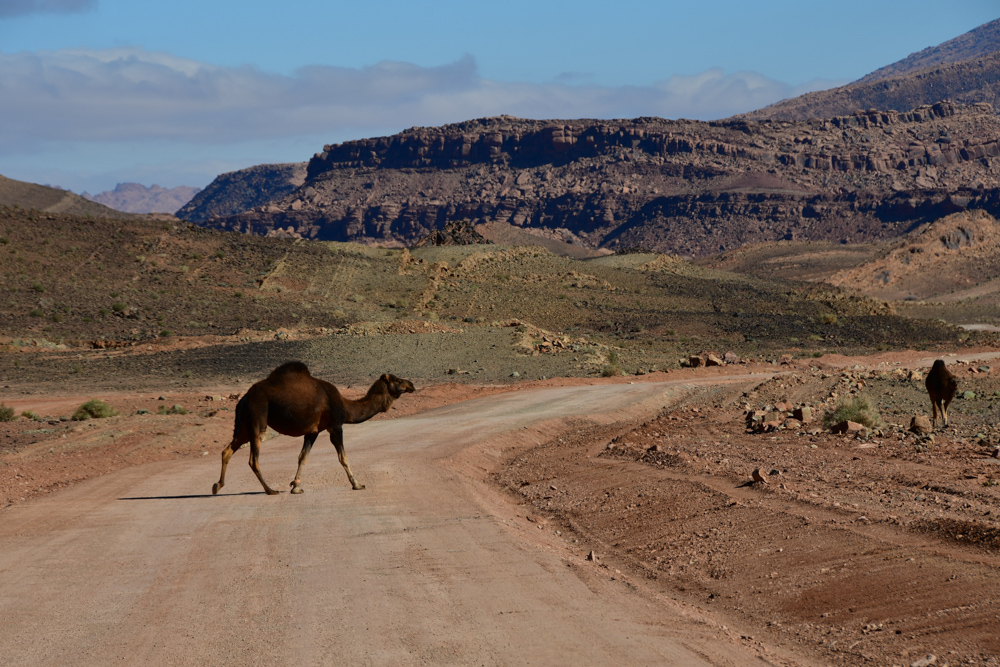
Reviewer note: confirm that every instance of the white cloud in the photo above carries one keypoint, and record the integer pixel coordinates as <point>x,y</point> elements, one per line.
<point>77,117</point>
<point>9,8</point>
<point>131,94</point>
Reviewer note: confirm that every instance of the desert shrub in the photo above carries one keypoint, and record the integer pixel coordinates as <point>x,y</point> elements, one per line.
<point>93,409</point>
<point>857,409</point>
<point>35,312</point>
<point>220,254</point>
<point>176,409</point>
<point>613,357</point>
<point>28,414</point>
<point>4,240</point>
<point>37,287</point>
<point>611,370</point>
<point>118,306</point>
<point>165,333</point>
<point>6,413</point>
<point>828,318</point>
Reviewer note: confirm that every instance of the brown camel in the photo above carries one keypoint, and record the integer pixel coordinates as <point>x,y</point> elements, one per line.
<point>293,402</point>
<point>941,386</point>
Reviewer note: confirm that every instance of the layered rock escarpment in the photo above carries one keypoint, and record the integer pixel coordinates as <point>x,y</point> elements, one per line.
<point>684,187</point>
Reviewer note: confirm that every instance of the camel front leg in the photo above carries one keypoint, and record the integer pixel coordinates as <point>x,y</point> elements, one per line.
<point>337,438</point>
<point>303,456</point>
<point>254,455</point>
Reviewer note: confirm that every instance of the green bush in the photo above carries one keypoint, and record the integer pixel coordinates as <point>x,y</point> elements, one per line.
<point>93,409</point>
<point>828,318</point>
<point>611,370</point>
<point>176,409</point>
<point>857,409</point>
<point>6,413</point>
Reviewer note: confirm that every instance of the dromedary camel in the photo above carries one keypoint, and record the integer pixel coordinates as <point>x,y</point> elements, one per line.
<point>941,386</point>
<point>293,402</point>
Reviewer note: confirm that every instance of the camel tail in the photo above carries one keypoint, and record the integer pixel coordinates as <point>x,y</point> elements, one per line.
<point>241,407</point>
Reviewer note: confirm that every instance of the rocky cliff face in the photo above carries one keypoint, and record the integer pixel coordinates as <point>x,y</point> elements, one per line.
<point>682,186</point>
<point>136,198</point>
<point>241,190</point>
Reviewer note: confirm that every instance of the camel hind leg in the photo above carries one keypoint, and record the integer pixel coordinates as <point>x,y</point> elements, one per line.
<point>254,465</point>
<point>337,438</point>
<point>934,412</point>
<point>944,409</point>
<point>303,456</point>
<point>227,454</point>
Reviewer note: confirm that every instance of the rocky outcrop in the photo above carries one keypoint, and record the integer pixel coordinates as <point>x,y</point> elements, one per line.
<point>137,198</point>
<point>242,190</point>
<point>459,232</point>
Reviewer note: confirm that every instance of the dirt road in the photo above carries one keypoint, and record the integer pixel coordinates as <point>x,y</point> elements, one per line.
<point>426,566</point>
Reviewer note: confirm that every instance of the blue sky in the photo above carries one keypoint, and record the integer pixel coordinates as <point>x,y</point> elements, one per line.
<point>96,92</point>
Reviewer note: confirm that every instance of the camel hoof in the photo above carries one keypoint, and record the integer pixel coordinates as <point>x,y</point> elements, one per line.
<point>271,492</point>
<point>359,487</point>
<point>215,488</point>
<point>296,489</point>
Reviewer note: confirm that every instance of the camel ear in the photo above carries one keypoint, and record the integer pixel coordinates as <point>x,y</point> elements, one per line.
<point>385,377</point>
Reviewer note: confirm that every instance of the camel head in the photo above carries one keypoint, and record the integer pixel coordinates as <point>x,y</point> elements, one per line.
<point>397,386</point>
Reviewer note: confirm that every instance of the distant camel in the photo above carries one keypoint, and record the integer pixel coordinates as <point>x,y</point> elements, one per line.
<point>293,402</point>
<point>941,387</point>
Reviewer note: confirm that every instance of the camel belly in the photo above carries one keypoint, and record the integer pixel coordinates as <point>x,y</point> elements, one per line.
<point>287,420</point>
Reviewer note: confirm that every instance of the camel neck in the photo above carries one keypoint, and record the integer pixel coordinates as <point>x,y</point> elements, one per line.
<point>375,401</point>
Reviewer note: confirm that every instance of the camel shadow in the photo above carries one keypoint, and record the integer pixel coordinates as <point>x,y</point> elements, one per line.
<point>199,495</point>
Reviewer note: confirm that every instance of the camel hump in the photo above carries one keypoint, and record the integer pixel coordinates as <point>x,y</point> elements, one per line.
<point>289,368</point>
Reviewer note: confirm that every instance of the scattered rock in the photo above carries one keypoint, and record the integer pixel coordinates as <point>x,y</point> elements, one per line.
<point>803,414</point>
<point>758,476</point>
<point>925,661</point>
<point>592,556</point>
<point>847,426</point>
<point>515,374</point>
<point>713,360</point>
<point>731,358</point>
<point>694,361</point>
<point>968,395</point>
<point>921,425</point>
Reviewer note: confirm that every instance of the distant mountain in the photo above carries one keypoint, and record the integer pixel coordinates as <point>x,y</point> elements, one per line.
<point>50,200</point>
<point>977,43</point>
<point>136,198</point>
<point>964,70</point>
<point>242,190</point>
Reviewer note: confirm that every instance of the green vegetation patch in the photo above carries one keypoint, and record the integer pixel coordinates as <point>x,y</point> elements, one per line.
<point>93,409</point>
